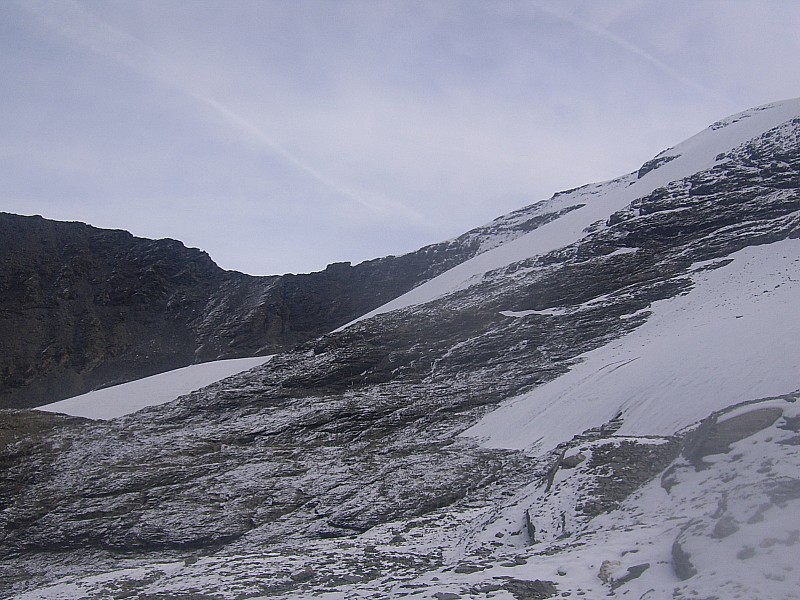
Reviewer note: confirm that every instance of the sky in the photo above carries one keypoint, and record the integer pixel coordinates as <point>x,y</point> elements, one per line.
<point>280,136</point>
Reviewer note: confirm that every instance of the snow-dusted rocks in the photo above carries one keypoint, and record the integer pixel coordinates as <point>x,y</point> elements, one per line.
<point>605,403</point>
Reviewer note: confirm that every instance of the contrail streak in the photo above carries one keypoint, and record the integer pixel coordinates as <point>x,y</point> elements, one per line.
<point>637,51</point>
<point>237,120</point>
<point>71,20</point>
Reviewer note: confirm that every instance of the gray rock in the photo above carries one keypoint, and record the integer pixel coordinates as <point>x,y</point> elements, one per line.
<point>681,562</point>
<point>523,589</point>
<point>572,461</point>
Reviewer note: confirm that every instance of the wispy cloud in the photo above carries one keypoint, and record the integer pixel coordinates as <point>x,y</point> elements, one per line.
<point>381,127</point>
<point>73,21</point>
<point>635,50</point>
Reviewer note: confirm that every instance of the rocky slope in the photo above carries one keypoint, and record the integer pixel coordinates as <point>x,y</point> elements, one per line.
<point>83,308</point>
<point>604,405</point>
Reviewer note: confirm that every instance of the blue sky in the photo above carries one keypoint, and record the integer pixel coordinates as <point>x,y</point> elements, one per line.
<point>280,136</point>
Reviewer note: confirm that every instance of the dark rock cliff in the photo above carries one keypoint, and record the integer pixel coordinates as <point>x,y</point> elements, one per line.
<point>82,307</point>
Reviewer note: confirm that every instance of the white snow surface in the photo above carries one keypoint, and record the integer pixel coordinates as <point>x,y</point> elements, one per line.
<point>601,200</point>
<point>127,398</point>
<point>734,337</point>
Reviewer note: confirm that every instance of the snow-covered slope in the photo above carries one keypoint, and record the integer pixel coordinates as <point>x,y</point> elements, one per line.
<point>127,398</point>
<point>732,337</point>
<point>604,402</point>
<point>721,522</point>
<point>601,200</point>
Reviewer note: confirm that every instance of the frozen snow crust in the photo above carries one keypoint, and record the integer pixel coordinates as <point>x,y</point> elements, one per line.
<point>604,406</point>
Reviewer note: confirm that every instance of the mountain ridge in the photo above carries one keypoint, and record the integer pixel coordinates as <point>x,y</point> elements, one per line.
<point>361,463</point>
<point>98,307</point>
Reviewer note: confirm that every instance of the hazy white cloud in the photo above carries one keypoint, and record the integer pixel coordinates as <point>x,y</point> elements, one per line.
<point>282,136</point>
<point>72,20</point>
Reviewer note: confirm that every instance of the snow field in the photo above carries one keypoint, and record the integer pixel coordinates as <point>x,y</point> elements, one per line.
<point>732,338</point>
<point>127,398</point>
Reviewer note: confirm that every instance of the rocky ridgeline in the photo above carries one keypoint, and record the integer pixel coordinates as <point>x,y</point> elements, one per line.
<point>83,308</point>
<point>337,469</point>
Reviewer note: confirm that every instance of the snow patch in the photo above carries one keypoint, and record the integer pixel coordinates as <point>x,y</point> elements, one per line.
<point>126,398</point>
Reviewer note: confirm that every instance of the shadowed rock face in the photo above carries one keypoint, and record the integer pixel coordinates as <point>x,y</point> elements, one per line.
<point>83,308</point>
<point>339,462</point>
